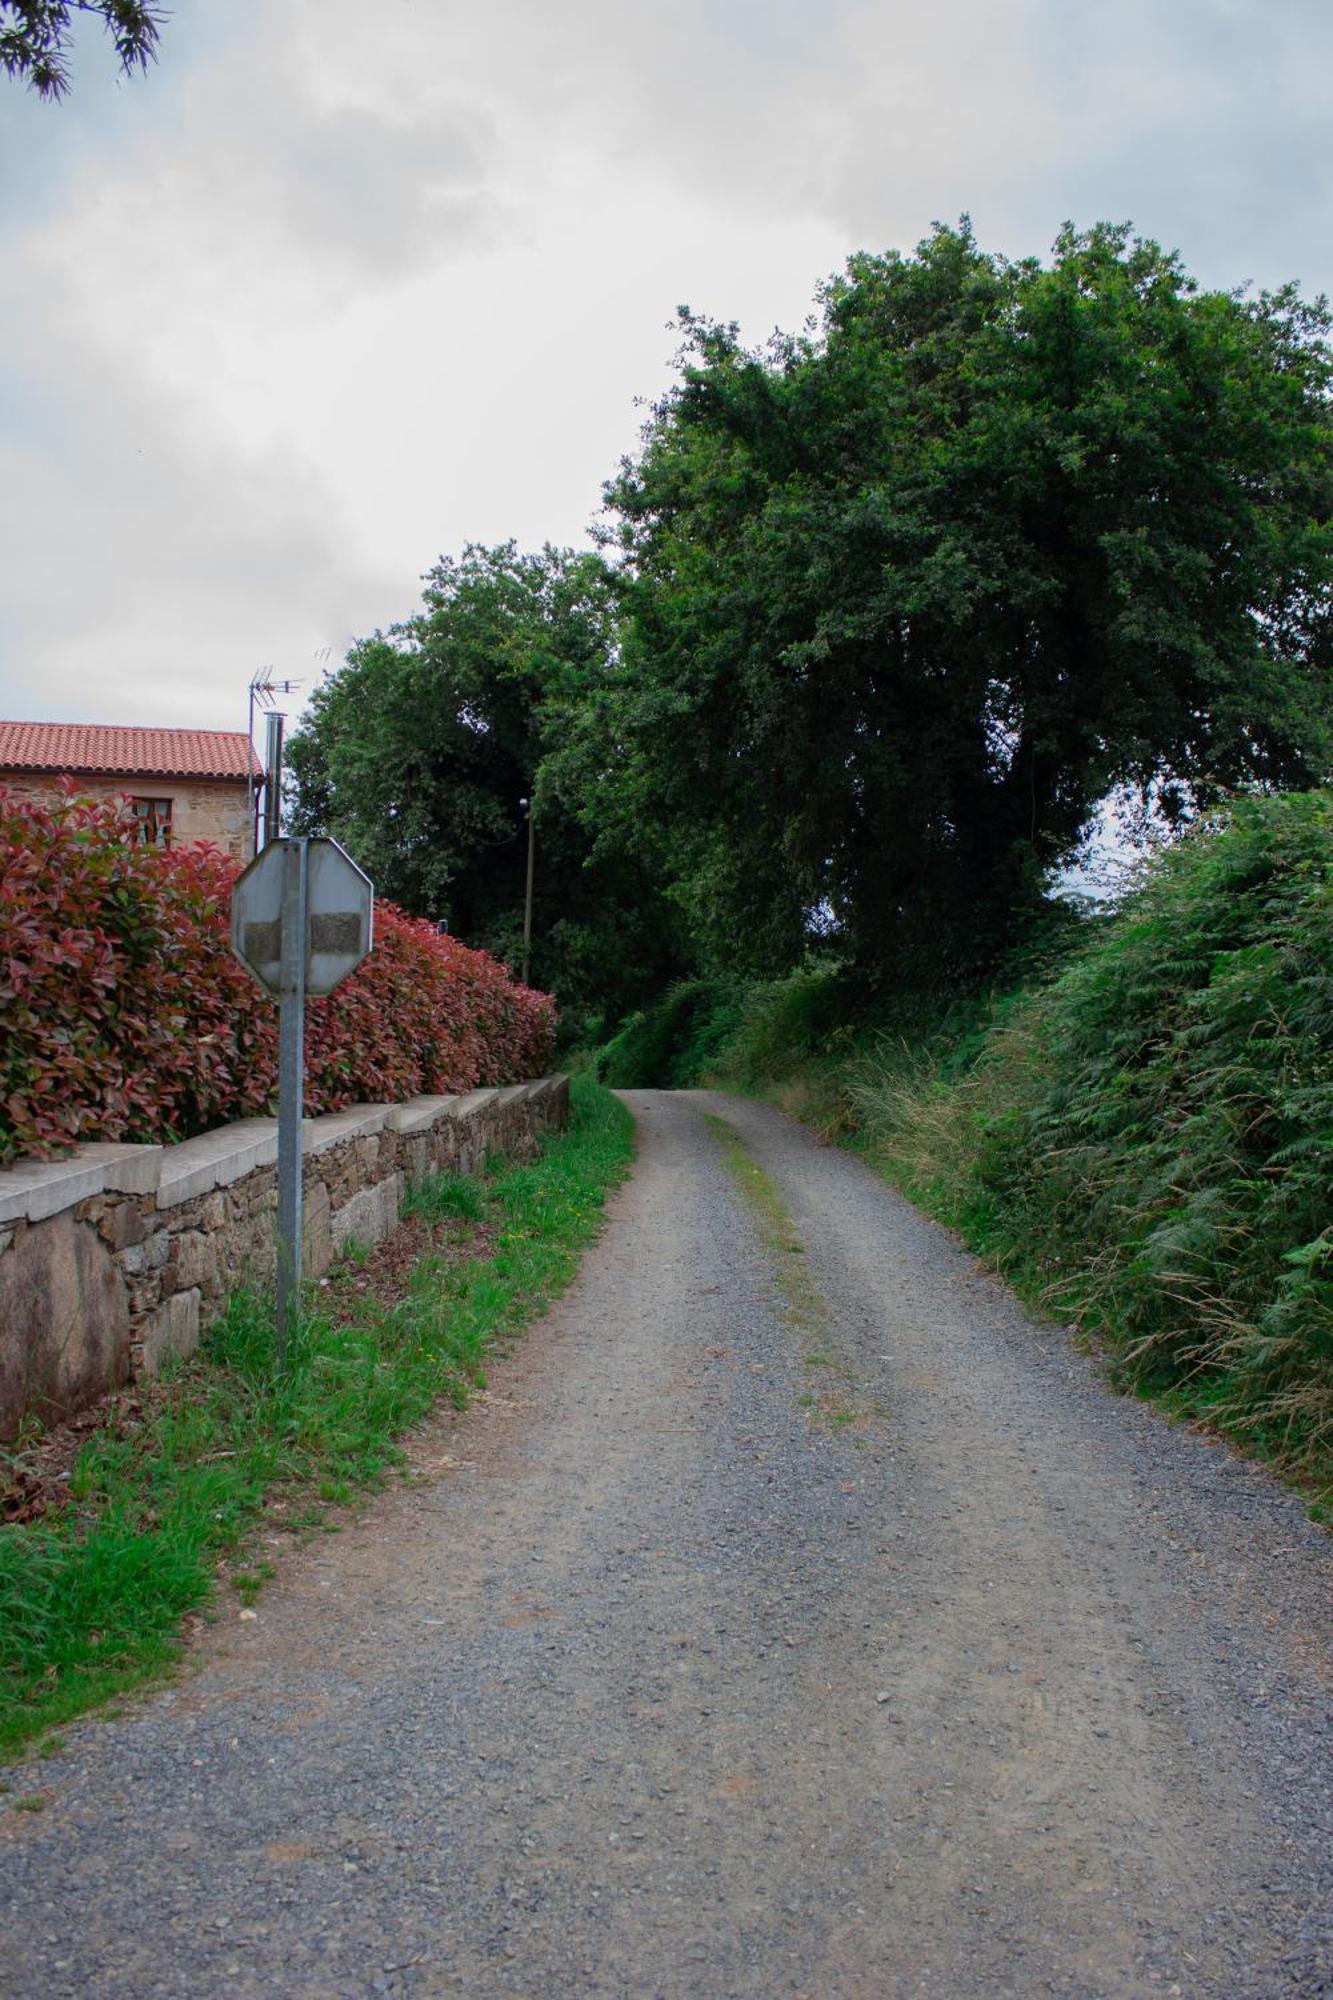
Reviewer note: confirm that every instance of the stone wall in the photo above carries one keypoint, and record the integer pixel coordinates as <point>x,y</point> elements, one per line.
<point>120,1255</point>
<point>202,809</point>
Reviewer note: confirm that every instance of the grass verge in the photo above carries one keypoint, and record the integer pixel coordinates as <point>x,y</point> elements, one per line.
<point>833,1399</point>
<point>92,1595</point>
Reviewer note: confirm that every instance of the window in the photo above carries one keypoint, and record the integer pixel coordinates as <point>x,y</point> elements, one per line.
<point>154,818</point>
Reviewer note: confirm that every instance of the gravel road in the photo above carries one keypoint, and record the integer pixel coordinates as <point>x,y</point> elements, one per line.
<point>792,1616</point>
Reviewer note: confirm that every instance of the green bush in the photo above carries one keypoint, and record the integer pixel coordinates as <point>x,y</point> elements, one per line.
<point>1147,1139</point>
<point>672,1044</point>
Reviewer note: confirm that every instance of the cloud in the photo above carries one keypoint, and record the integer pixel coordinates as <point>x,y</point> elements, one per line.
<point>384,197</point>
<point>150,571</point>
<point>334,289</point>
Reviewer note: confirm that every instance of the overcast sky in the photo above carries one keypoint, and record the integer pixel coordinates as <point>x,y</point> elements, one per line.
<point>303,309</point>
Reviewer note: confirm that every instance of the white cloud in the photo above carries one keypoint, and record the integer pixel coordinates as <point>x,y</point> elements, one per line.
<point>319,299</point>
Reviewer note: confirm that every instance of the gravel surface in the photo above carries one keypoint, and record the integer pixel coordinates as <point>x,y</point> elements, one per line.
<point>791,1617</point>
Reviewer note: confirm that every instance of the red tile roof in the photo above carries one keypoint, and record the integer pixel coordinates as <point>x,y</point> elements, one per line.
<point>139,753</point>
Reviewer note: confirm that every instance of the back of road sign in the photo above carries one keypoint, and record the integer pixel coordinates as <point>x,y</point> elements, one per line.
<point>339,919</point>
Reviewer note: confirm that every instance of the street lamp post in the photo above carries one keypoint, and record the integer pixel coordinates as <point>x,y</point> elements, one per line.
<point>527,900</point>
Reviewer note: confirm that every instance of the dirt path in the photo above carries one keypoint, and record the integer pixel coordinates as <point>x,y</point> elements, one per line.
<point>792,1618</point>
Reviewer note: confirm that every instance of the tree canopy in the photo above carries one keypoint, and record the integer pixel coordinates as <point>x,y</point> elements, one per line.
<point>904,598</point>
<point>35,37</point>
<point>425,750</point>
<point>886,610</point>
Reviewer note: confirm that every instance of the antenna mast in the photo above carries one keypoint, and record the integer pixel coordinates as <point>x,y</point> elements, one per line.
<point>262,690</point>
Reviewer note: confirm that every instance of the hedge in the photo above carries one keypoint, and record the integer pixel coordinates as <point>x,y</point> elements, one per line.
<point>124,1015</point>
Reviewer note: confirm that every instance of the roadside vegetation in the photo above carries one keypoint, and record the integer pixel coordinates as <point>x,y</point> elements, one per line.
<point>124,1013</point>
<point>94,1588</point>
<point>885,613</point>
<point>1138,1132</point>
<point>888,610</point>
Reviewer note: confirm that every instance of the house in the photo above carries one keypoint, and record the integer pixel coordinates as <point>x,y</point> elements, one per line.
<point>186,786</point>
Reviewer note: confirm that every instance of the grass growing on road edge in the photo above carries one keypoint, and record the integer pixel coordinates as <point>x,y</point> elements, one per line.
<point>92,1595</point>
<point>833,1400</point>
<point>776,1226</point>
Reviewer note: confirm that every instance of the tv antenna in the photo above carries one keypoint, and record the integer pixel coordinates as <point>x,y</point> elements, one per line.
<point>263,696</point>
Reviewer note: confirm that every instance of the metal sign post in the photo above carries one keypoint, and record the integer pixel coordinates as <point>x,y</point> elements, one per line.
<point>291,1081</point>
<point>302,917</point>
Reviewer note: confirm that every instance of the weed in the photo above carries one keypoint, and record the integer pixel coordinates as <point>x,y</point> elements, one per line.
<point>442,1196</point>
<point>763,1198</point>
<point>807,1309</point>
<point>248,1583</point>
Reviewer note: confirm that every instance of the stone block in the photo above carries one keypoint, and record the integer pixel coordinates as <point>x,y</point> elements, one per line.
<point>194,1261</point>
<point>473,1104</point>
<point>316,1230</point>
<point>216,1159</point>
<point>122,1223</point>
<point>356,1122</point>
<point>144,1294</point>
<point>31,1190</point>
<point>370,1214</point>
<point>172,1329</point>
<point>64,1322</point>
<point>149,1254</point>
<point>212,1212</point>
<point>126,1169</point>
<point>419,1114</point>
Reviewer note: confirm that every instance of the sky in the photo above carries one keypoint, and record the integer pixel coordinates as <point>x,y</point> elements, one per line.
<point>334,290</point>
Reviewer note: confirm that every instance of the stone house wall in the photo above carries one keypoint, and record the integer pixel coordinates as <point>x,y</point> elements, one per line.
<point>202,809</point>
<point>120,1255</point>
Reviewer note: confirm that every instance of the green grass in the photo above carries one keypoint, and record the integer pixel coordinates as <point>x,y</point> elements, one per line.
<point>806,1307</point>
<point>446,1196</point>
<point>807,1311</point>
<point>1145,1143</point>
<point>92,1597</point>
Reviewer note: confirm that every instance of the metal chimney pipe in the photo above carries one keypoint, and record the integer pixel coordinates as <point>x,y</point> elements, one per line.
<point>273,777</point>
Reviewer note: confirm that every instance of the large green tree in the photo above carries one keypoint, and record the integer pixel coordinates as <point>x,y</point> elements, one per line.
<point>35,37</point>
<point>907,596</point>
<point>427,748</point>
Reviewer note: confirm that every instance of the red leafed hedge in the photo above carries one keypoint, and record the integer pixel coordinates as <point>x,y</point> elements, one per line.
<point>124,1015</point>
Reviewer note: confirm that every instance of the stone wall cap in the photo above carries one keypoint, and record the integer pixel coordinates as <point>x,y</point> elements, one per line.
<point>418,1114</point>
<point>473,1102</point>
<point>126,1169</point>
<point>31,1190</point>
<point>334,1128</point>
<point>216,1159</point>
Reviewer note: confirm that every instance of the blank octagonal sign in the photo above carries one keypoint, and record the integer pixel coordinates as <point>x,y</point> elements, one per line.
<point>339,915</point>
